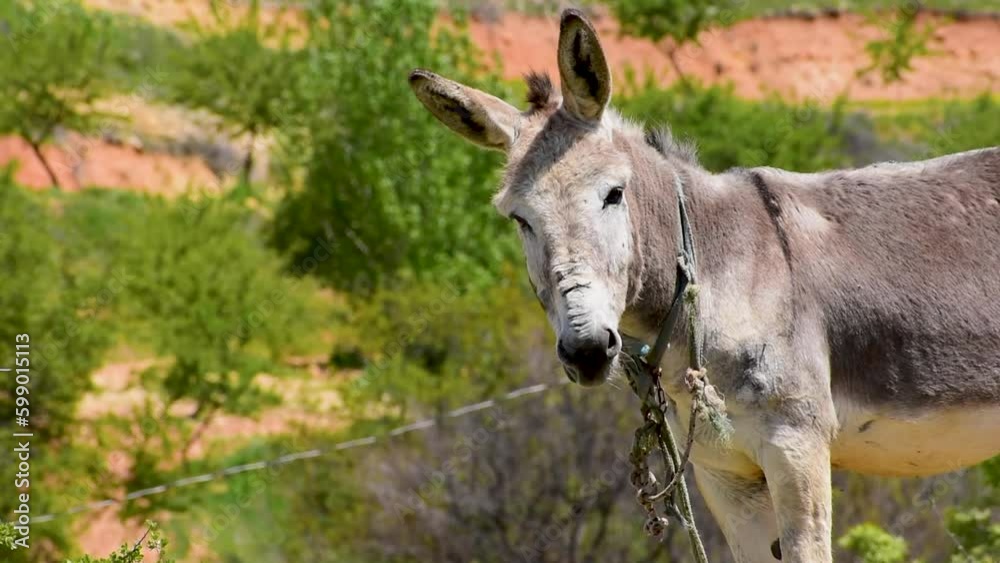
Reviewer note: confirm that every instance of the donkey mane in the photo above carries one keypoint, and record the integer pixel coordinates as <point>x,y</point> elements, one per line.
<point>541,94</point>
<point>662,139</point>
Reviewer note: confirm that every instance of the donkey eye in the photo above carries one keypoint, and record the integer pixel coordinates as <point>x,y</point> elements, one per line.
<point>521,222</point>
<point>614,197</point>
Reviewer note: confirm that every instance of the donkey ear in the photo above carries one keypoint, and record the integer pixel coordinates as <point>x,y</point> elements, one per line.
<point>479,117</point>
<point>583,70</point>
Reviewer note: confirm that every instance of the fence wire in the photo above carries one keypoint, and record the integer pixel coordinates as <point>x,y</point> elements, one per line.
<point>227,472</point>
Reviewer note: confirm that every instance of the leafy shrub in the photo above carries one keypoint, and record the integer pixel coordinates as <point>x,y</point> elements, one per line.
<point>732,132</point>
<point>943,127</point>
<point>59,59</point>
<point>977,533</point>
<point>873,545</point>
<point>431,344</point>
<point>44,296</point>
<point>233,72</point>
<point>680,20</point>
<point>64,311</point>
<point>893,56</point>
<point>201,288</point>
<point>152,540</point>
<point>386,188</point>
<point>963,126</point>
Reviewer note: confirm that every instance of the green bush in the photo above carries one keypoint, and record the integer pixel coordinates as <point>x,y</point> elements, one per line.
<point>233,72</point>
<point>732,132</point>
<point>64,310</point>
<point>45,296</point>
<point>962,125</point>
<point>193,284</point>
<point>430,344</point>
<point>386,188</point>
<point>871,544</point>
<point>938,127</point>
<point>200,288</point>
<point>680,20</point>
<point>977,532</point>
<point>58,59</point>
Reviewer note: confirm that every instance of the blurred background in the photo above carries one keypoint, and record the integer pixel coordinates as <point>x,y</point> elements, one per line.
<point>235,236</point>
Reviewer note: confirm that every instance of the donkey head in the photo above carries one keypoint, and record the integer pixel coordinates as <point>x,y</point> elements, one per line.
<point>566,187</point>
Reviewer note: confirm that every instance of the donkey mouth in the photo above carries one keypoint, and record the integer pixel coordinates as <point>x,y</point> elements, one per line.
<point>588,360</point>
<point>588,377</point>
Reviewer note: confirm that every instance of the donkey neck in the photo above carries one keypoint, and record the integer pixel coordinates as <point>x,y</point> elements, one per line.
<point>714,213</point>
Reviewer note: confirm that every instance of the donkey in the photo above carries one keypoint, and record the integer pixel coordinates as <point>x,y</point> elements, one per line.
<point>851,319</point>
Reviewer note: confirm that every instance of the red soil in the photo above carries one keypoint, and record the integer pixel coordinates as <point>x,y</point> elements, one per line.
<point>82,161</point>
<point>796,58</point>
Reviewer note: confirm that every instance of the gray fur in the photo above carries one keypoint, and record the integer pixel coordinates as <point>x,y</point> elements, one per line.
<point>904,284</point>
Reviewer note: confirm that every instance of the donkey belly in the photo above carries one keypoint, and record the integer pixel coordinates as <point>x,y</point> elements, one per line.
<point>886,442</point>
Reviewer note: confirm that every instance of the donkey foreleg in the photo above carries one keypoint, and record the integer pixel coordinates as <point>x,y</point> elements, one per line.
<point>796,463</point>
<point>742,508</point>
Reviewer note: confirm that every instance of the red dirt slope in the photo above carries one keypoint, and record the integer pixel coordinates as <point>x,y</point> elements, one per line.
<point>82,161</point>
<point>796,57</point>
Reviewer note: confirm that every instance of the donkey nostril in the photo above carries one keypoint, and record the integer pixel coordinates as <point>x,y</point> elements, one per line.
<point>562,352</point>
<point>614,344</point>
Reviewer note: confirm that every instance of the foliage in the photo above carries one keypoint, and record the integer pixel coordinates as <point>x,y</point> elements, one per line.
<point>233,72</point>
<point>152,540</point>
<point>893,56</point>
<point>963,126</point>
<point>58,60</point>
<point>731,132</point>
<point>977,534</point>
<point>430,344</point>
<point>201,289</point>
<point>64,312</point>
<point>387,190</point>
<point>572,502</point>
<point>873,545</point>
<point>944,127</point>
<point>282,513</point>
<point>42,296</point>
<point>680,20</point>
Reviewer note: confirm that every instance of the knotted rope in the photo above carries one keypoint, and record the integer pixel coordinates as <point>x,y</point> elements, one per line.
<point>642,367</point>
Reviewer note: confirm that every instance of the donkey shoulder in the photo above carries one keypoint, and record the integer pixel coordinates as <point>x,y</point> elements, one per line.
<point>900,262</point>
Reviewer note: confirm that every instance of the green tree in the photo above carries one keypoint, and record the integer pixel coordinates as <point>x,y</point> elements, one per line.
<point>387,190</point>
<point>241,69</point>
<point>57,61</point>
<point>63,309</point>
<point>46,296</point>
<point>892,56</point>
<point>205,293</point>
<point>679,20</point>
<point>871,544</point>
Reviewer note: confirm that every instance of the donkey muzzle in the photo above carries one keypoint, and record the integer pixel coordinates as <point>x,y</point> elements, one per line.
<point>587,358</point>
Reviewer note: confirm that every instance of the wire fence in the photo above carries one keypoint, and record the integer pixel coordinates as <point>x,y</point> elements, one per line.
<point>227,472</point>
